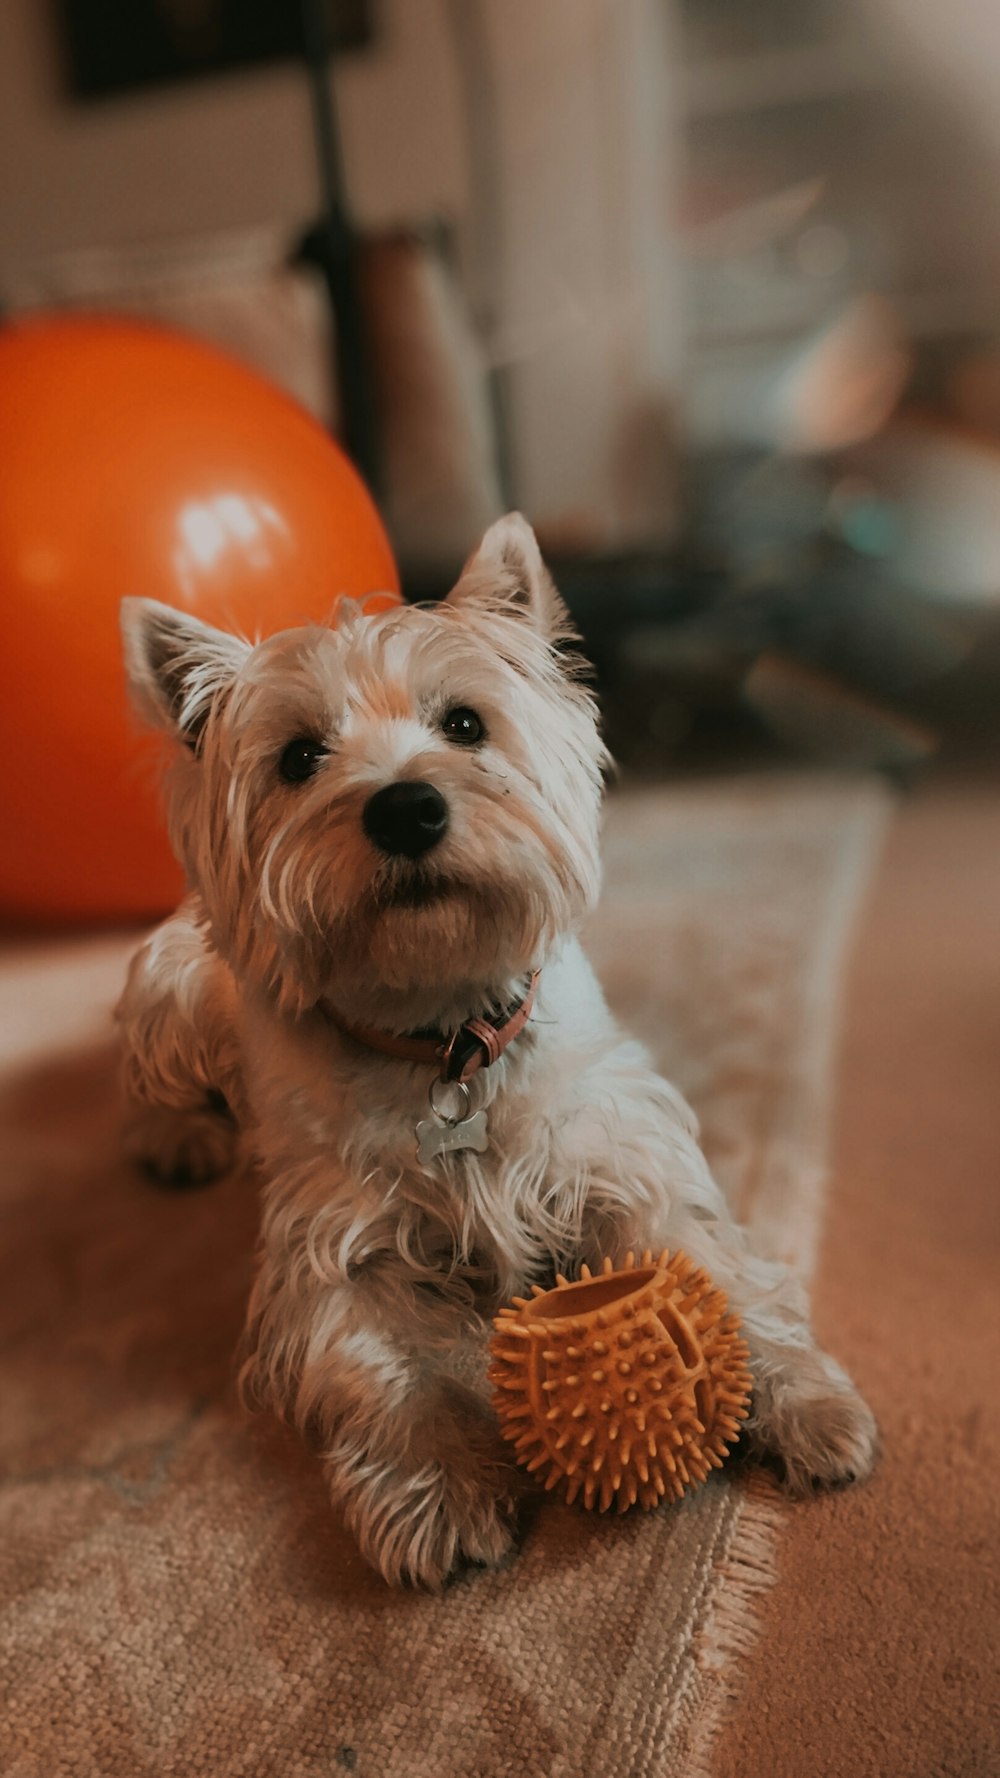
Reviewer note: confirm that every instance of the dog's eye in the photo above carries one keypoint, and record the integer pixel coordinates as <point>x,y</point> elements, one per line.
<point>300,759</point>
<point>464,726</point>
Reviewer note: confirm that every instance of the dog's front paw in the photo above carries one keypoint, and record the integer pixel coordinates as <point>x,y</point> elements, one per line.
<point>452,1503</point>
<point>421,1530</point>
<point>180,1148</point>
<point>817,1428</point>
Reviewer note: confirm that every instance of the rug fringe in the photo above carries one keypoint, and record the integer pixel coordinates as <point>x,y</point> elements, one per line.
<point>744,1576</point>
<point>750,1566</point>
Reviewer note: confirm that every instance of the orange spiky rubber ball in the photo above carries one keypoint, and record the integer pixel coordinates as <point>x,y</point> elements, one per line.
<point>627,1386</point>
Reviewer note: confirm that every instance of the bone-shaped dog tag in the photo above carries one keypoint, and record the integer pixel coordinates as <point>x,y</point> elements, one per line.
<point>449,1128</point>
<point>435,1136</point>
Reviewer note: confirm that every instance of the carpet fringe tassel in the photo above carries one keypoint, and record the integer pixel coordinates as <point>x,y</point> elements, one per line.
<point>747,1572</point>
<point>749,1567</point>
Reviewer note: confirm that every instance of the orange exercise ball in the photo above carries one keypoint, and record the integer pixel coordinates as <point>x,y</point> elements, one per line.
<point>137,460</point>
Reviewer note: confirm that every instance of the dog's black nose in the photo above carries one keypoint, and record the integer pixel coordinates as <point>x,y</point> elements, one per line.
<point>406,819</point>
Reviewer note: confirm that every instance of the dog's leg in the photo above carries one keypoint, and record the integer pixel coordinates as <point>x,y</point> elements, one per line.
<point>180,1070</point>
<point>637,1172</point>
<point>806,1415</point>
<point>414,1459</point>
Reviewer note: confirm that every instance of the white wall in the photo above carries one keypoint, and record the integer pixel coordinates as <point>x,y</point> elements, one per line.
<point>568,247</point>
<point>590,329</point>
<point>223,153</point>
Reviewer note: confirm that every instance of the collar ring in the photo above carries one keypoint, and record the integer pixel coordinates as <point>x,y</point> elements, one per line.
<point>433,1099</point>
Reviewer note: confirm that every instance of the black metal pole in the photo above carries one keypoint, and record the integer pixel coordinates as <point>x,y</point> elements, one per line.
<point>341,255</point>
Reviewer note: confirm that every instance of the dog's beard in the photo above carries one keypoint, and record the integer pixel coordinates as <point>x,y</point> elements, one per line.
<point>436,929</point>
<point>406,884</point>
<point>424,947</point>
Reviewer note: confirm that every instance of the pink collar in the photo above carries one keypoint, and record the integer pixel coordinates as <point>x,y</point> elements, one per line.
<point>458,1054</point>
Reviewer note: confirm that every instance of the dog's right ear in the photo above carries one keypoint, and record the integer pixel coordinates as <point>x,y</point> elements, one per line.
<point>176,666</point>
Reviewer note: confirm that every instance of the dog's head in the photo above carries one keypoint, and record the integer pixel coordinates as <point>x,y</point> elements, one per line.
<point>397,813</point>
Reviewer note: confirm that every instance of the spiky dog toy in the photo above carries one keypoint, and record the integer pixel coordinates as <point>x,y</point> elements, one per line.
<point>629,1385</point>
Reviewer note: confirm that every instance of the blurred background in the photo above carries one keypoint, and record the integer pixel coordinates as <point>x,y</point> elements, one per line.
<point>709,289</point>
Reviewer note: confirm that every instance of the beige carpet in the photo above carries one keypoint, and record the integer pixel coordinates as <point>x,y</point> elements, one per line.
<point>177,1597</point>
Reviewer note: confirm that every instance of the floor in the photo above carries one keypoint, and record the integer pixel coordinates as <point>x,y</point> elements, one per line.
<point>877,1655</point>
<point>879,1645</point>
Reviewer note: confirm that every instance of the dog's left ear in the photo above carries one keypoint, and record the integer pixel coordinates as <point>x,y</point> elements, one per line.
<point>506,574</point>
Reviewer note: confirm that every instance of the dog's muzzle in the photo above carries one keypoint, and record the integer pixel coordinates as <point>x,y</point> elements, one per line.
<point>406,819</point>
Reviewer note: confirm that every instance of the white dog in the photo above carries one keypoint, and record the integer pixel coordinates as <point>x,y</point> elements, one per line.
<point>391,834</point>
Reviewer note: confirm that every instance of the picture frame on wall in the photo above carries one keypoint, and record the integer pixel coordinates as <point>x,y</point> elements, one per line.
<point>112,47</point>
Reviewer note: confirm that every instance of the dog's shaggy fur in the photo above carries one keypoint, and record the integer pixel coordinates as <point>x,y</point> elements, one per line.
<point>297,923</point>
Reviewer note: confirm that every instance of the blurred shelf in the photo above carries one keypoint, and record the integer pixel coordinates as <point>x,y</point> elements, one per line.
<point>937,313</point>
<point>771,79</point>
